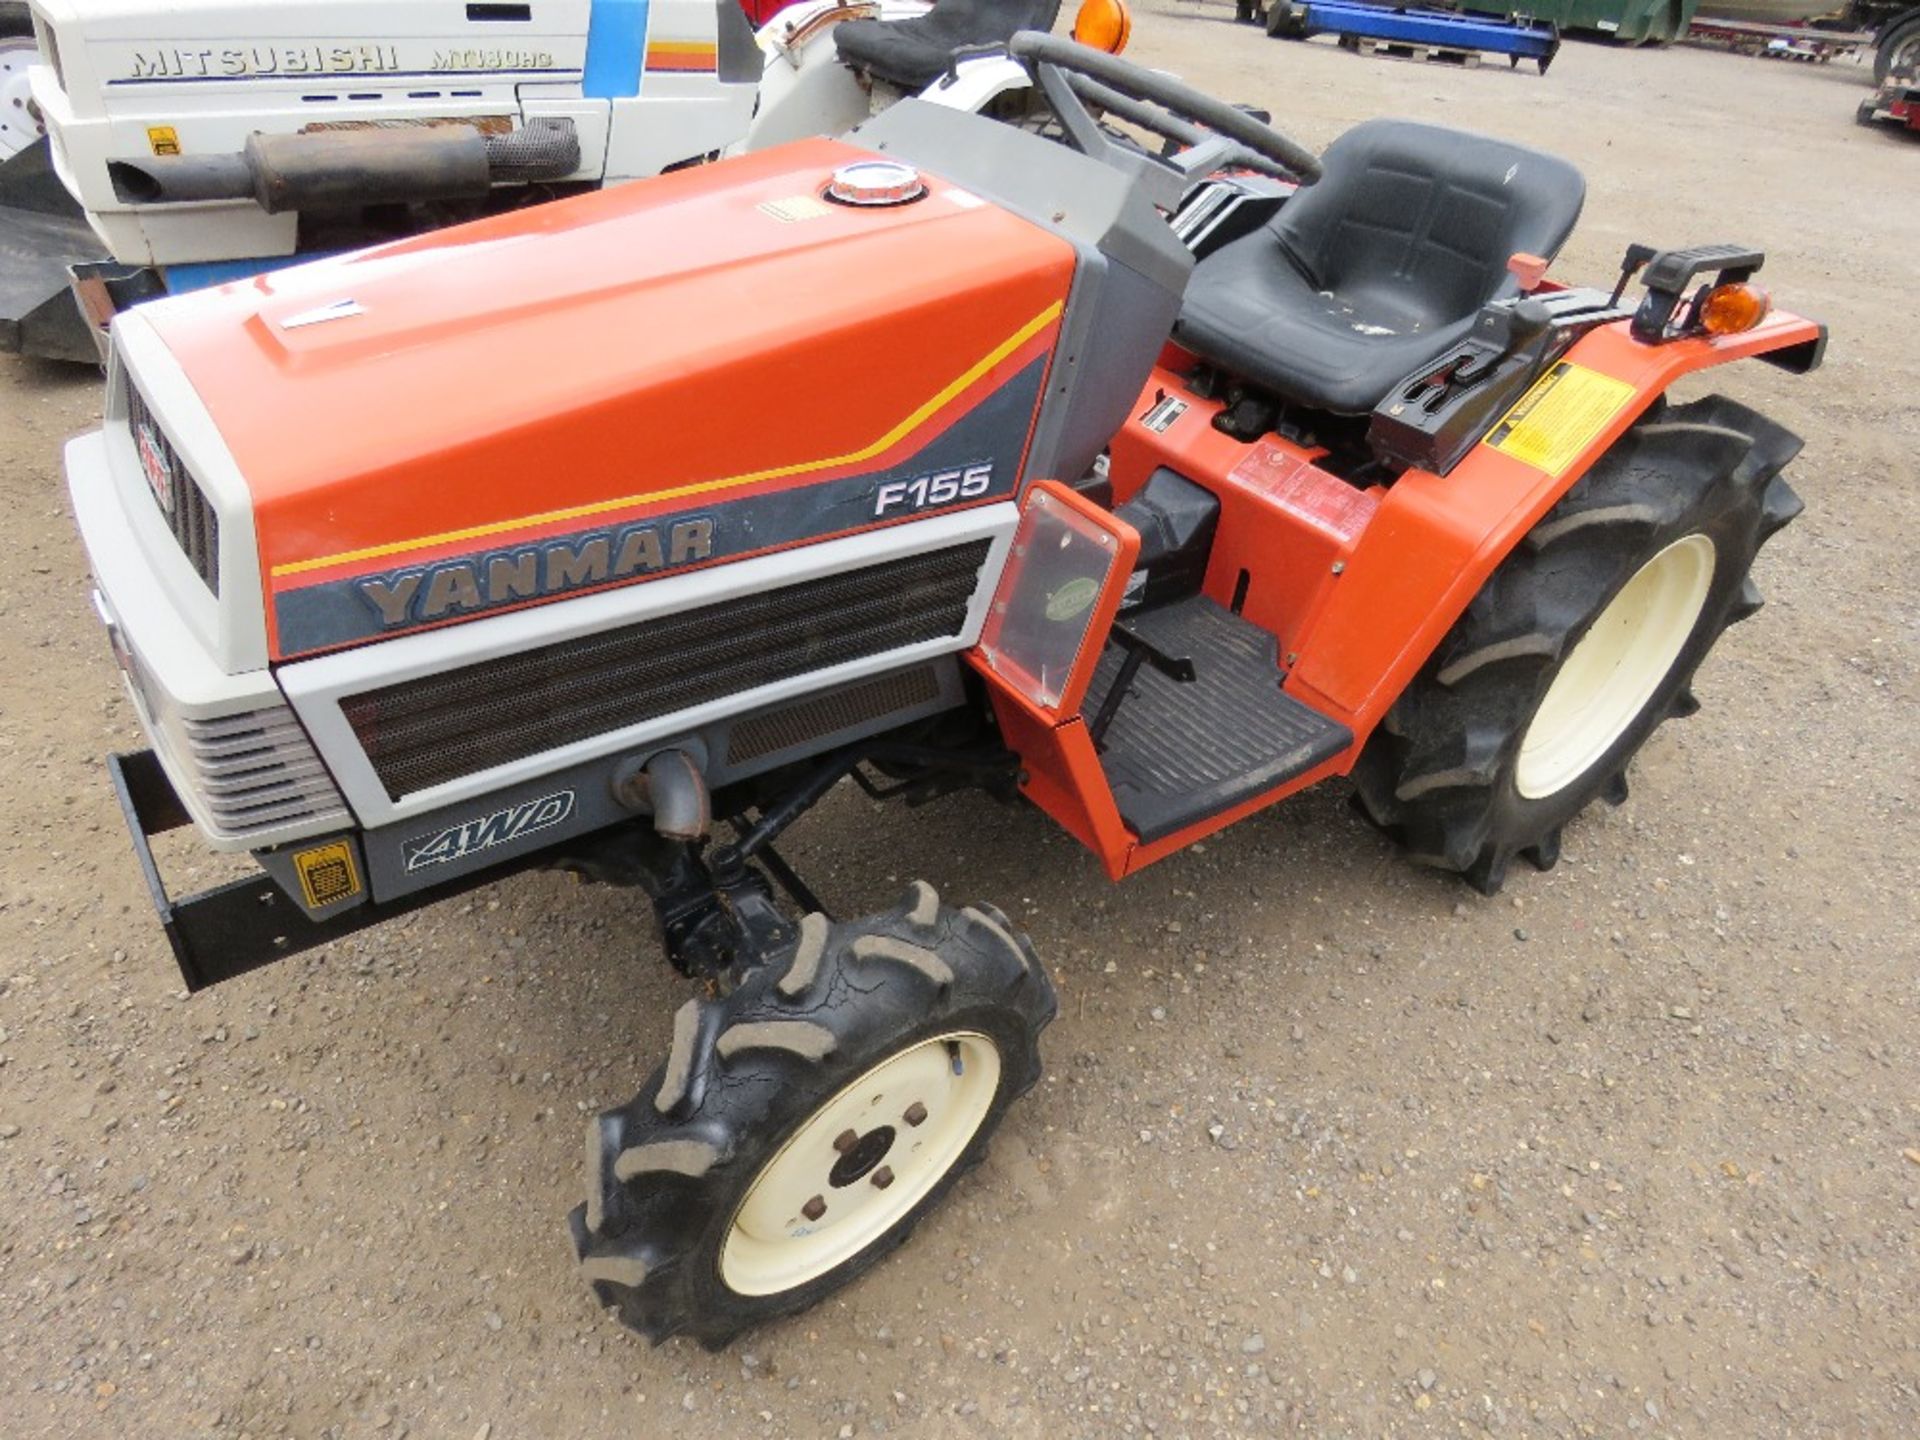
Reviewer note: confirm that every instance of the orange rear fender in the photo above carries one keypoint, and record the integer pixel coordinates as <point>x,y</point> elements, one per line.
<point>1434,541</point>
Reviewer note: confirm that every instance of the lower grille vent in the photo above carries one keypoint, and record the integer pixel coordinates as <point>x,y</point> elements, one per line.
<point>796,724</point>
<point>424,732</point>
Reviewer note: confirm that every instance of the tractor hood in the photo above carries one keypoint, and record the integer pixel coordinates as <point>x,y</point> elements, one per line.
<point>679,372</point>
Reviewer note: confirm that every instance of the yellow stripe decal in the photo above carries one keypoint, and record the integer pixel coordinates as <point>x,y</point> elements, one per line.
<point>527,522</point>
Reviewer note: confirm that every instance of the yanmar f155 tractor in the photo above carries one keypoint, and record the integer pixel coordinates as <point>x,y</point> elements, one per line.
<point>929,458</point>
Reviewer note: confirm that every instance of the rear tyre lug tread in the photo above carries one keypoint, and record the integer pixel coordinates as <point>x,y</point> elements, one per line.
<point>1439,774</point>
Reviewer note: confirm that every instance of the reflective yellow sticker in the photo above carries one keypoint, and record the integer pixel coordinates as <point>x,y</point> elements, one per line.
<point>794,207</point>
<point>1559,417</point>
<point>164,139</point>
<point>327,873</point>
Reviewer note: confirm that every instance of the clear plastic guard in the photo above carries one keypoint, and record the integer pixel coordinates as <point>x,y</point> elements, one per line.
<point>1061,564</point>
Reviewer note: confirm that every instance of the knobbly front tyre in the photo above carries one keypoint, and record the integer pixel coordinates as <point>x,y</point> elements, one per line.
<point>803,1124</point>
<point>1583,640</point>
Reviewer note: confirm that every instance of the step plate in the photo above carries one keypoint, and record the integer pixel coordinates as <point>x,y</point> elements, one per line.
<point>1177,754</point>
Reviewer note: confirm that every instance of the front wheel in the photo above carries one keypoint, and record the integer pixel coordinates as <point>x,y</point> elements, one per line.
<point>1581,643</point>
<point>805,1123</point>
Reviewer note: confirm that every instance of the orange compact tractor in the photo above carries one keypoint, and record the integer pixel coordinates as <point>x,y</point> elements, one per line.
<point>612,535</point>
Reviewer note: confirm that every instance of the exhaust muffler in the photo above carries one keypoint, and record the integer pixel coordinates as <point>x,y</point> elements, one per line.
<point>336,169</point>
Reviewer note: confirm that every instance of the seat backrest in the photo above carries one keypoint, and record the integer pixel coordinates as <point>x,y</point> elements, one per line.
<point>913,52</point>
<point>1428,216</point>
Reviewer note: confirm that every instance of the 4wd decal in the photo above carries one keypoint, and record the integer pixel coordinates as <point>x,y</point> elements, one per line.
<point>456,842</point>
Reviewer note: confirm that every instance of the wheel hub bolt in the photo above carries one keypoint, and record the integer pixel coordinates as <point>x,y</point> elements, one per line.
<point>814,1208</point>
<point>882,1178</point>
<point>845,1141</point>
<point>916,1114</point>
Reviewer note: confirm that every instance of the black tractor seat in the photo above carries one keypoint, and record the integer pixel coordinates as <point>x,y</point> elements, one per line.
<point>912,54</point>
<point>1380,267</point>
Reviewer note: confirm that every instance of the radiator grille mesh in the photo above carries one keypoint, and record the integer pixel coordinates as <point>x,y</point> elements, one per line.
<point>809,719</point>
<point>424,732</point>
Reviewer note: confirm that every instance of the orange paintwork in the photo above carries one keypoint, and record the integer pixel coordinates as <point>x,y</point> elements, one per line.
<point>683,55</point>
<point>685,338</point>
<point>1435,541</point>
<point>1359,586</point>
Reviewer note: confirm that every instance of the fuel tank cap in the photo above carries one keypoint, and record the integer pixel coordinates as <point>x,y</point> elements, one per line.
<point>876,182</point>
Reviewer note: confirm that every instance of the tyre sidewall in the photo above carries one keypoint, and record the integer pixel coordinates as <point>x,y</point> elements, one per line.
<point>787,1109</point>
<point>1734,530</point>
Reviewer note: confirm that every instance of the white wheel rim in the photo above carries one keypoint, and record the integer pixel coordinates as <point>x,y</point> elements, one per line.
<point>814,1206</point>
<point>1613,672</point>
<point>19,127</point>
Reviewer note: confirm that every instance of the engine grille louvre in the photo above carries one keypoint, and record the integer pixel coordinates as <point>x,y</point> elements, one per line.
<point>193,520</point>
<point>258,771</point>
<point>424,732</point>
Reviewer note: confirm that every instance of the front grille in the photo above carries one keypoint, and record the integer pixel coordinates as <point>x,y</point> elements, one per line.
<point>188,512</point>
<point>440,727</point>
<point>818,715</point>
<point>257,771</point>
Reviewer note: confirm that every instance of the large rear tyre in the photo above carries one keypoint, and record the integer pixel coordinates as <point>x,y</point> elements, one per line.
<point>1581,643</point>
<point>805,1123</point>
<point>1898,52</point>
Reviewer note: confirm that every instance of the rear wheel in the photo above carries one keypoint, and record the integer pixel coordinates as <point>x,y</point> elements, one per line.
<point>1898,52</point>
<point>804,1124</point>
<point>1581,643</point>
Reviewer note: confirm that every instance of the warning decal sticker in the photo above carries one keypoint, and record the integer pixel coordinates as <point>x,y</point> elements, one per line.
<point>1559,417</point>
<point>327,874</point>
<point>794,208</point>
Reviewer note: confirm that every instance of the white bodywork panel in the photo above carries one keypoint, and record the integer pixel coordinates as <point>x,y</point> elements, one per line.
<point>232,635</point>
<point>131,79</point>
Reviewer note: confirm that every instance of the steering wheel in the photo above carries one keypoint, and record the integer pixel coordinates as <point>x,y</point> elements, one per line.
<point>1215,133</point>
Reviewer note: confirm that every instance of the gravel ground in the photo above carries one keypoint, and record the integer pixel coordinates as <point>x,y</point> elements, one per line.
<point>1328,1144</point>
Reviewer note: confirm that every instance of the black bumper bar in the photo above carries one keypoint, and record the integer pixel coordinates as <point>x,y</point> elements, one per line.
<point>248,923</point>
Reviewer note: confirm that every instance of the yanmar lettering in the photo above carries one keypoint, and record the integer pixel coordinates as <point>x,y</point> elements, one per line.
<point>456,842</point>
<point>534,572</point>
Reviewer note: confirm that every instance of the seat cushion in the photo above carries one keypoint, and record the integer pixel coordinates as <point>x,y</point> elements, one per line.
<point>1259,317</point>
<point>913,53</point>
<point>1381,266</point>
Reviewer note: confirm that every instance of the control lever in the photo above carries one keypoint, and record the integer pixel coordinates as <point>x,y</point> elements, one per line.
<point>1504,329</point>
<point>1512,328</point>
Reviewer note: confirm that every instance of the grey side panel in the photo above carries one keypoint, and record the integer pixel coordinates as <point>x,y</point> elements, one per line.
<point>1039,180</point>
<point>1107,350</point>
<point>1127,286</point>
<point>740,59</point>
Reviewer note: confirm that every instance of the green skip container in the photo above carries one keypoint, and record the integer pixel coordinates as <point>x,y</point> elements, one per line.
<point>1631,22</point>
